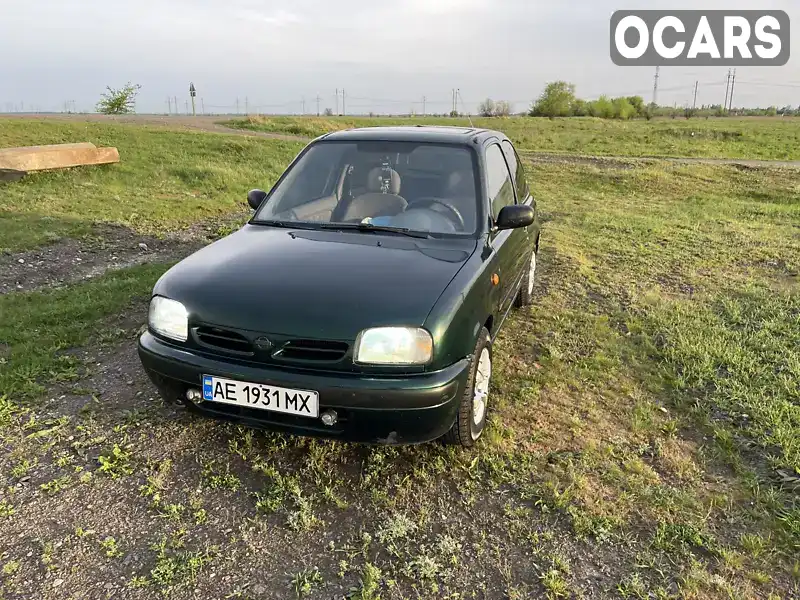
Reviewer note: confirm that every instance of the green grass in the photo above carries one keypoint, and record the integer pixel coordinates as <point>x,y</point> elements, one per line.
<point>165,180</point>
<point>707,260</point>
<point>722,138</point>
<point>37,329</point>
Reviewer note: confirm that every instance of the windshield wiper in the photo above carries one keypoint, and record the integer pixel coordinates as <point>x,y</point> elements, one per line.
<point>375,228</point>
<point>286,224</point>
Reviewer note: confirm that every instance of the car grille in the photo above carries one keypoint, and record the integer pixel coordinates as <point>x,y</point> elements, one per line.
<point>224,339</point>
<point>312,351</point>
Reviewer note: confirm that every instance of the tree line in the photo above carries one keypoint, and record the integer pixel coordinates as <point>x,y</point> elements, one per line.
<point>559,100</point>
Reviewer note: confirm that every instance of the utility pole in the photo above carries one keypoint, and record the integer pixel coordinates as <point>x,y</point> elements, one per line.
<point>344,109</point>
<point>727,89</point>
<point>317,104</point>
<point>186,104</point>
<point>733,83</point>
<point>424,99</point>
<point>202,106</point>
<point>246,106</point>
<point>694,104</point>
<point>192,94</point>
<point>169,106</point>
<point>337,101</point>
<point>655,86</point>
<point>237,105</point>
<point>452,110</point>
<point>175,99</point>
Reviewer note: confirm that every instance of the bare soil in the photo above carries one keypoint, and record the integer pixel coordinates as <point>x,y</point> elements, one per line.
<point>70,260</point>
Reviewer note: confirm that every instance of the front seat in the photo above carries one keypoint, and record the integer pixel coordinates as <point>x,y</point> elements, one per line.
<point>381,199</point>
<point>460,191</point>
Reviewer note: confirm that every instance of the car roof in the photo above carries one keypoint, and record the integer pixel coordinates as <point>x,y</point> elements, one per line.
<point>443,134</point>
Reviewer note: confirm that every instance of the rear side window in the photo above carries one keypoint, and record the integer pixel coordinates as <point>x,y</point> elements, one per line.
<point>517,171</point>
<point>501,190</point>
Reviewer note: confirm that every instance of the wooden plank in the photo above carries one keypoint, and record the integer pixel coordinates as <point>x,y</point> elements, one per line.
<point>33,149</point>
<point>59,159</point>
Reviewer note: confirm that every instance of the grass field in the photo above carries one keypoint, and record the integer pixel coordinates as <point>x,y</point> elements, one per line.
<point>165,180</point>
<point>721,138</point>
<point>643,438</point>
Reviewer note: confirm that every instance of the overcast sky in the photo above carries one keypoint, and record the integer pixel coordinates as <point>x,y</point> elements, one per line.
<point>385,54</point>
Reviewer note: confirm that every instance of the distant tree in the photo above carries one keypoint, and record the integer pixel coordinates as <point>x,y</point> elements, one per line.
<point>119,102</point>
<point>503,108</point>
<point>556,100</point>
<point>623,109</point>
<point>689,112</point>
<point>486,108</point>
<point>602,107</point>
<point>638,105</point>
<point>772,111</point>
<point>454,113</point>
<point>328,112</point>
<point>580,108</point>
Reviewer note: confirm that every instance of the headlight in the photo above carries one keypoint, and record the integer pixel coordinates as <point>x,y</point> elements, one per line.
<point>169,318</point>
<point>394,346</point>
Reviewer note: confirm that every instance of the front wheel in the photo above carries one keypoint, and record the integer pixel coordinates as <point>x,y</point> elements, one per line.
<point>471,419</point>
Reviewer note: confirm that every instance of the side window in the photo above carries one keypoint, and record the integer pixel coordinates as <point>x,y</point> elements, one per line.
<point>501,190</point>
<point>517,171</point>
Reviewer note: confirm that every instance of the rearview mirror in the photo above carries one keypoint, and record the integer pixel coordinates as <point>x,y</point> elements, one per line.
<point>514,217</point>
<point>255,198</point>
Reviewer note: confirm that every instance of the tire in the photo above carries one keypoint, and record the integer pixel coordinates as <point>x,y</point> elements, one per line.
<point>525,294</point>
<point>467,429</point>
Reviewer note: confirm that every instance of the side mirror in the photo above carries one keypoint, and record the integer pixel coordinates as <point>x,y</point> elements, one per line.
<point>255,198</point>
<point>514,217</point>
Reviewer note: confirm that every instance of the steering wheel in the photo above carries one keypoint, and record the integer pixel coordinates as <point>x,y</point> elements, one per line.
<point>431,201</point>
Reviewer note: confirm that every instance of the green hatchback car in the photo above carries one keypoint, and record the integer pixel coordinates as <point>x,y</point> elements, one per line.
<point>361,300</point>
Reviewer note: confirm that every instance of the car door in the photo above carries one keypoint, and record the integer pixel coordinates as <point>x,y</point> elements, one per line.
<point>505,244</point>
<point>529,234</point>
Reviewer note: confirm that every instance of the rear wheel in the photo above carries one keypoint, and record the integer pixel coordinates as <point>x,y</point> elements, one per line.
<point>525,294</point>
<point>471,419</point>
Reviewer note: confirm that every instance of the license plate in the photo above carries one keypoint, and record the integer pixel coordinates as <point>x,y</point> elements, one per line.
<point>303,403</point>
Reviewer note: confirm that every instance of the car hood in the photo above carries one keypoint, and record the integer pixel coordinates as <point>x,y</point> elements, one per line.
<point>314,284</point>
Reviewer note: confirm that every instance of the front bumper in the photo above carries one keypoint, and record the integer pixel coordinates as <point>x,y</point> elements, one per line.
<point>406,409</point>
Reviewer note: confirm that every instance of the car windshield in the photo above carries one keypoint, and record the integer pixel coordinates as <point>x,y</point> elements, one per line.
<point>416,187</point>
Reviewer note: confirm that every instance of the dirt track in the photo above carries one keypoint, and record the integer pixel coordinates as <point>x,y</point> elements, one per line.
<point>212,124</point>
<point>202,123</point>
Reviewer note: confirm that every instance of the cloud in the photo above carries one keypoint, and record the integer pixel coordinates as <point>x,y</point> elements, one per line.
<point>279,18</point>
<point>387,55</point>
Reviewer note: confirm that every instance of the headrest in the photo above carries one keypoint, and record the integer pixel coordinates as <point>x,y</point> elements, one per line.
<point>375,181</point>
<point>460,182</point>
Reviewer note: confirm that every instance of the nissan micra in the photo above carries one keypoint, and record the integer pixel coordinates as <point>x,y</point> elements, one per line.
<point>361,300</point>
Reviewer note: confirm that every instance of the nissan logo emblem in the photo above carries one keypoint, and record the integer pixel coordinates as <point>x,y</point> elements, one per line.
<point>263,343</point>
